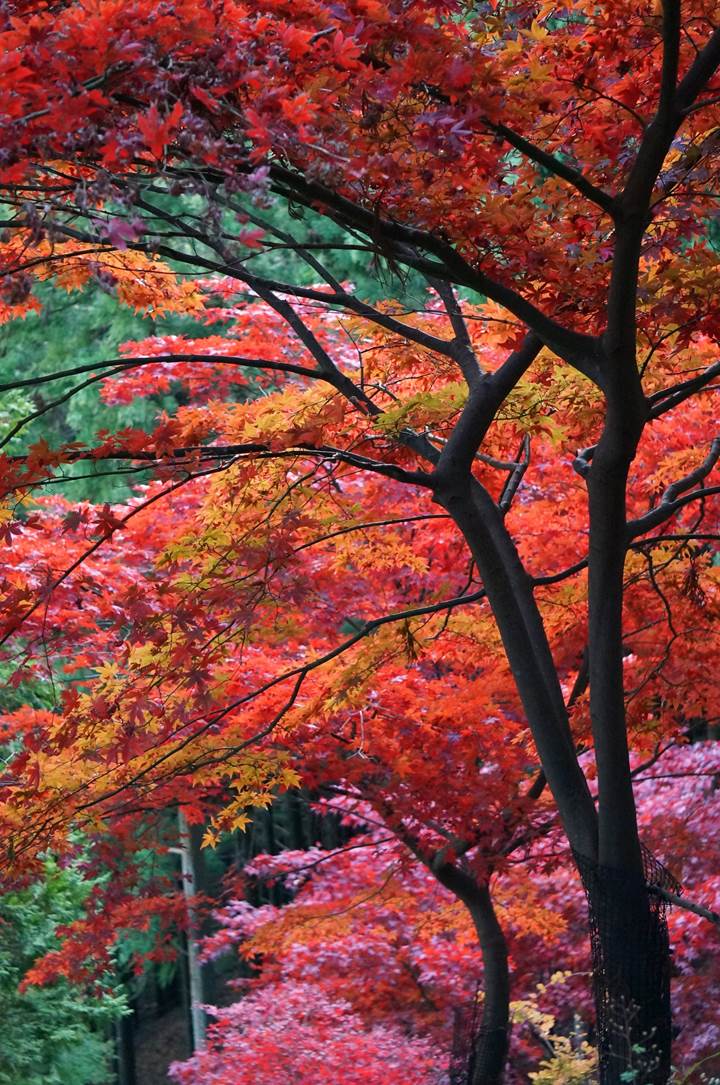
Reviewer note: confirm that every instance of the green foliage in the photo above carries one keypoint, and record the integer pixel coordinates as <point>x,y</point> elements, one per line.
<point>51,1035</point>
<point>69,331</point>
<point>35,693</point>
<point>342,254</point>
<point>289,228</point>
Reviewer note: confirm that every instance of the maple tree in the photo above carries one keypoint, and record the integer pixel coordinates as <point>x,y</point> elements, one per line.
<point>558,161</point>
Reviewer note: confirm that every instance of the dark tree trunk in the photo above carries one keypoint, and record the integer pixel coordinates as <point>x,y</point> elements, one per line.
<point>482,1062</point>
<point>124,1029</point>
<point>631,953</point>
<point>630,947</point>
<point>510,594</point>
<point>491,1047</point>
<point>631,974</point>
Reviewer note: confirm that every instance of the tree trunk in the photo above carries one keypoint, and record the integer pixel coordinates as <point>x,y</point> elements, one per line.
<point>510,594</point>
<point>124,1036</point>
<point>631,974</point>
<point>483,1053</point>
<point>631,953</point>
<point>197,994</point>
<point>630,947</point>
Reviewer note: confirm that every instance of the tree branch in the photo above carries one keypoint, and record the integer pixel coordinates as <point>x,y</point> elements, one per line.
<point>668,398</point>
<point>578,349</point>
<point>478,413</point>
<point>672,501</point>
<point>705,65</point>
<point>688,905</point>
<point>464,352</point>
<point>516,475</point>
<point>118,365</point>
<point>645,523</point>
<point>556,166</point>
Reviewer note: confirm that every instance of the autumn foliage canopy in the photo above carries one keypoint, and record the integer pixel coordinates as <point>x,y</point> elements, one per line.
<point>442,554</point>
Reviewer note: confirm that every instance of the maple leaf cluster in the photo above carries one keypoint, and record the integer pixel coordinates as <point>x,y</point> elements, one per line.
<point>404,108</point>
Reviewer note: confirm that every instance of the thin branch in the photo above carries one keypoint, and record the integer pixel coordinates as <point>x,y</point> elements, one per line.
<point>686,905</point>
<point>564,574</point>
<point>638,544</point>
<point>578,349</point>
<point>703,69</point>
<point>464,352</point>
<point>556,166</point>
<point>668,398</point>
<point>516,475</point>
<point>271,876</point>
<point>298,673</point>
<point>189,454</point>
<point>671,500</point>
<point>117,365</point>
<point>400,520</point>
<point>96,546</point>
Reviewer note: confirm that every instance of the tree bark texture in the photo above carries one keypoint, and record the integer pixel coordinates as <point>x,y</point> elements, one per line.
<point>483,1035</point>
<point>631,971</point>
